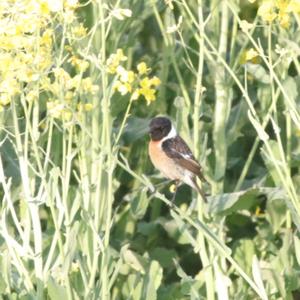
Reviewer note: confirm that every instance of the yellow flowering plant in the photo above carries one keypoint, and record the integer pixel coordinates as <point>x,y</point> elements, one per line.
<point>26,55</point>
<point>136,83</point>
<point>280,10</point>
<point>130,82</point>
<point>83,215</point>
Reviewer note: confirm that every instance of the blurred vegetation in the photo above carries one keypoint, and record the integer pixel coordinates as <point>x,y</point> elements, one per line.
<point>83,213</point>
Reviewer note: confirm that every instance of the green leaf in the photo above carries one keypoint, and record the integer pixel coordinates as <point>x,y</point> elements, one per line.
<point>170,292</point>
<point>189,286</point>
<point>163,255</point>
<point>290,87</point>
<point>256,272</point>
<point>243,253</point>
<point>152,281</point>
<point>276,212</point>
<point>132,289</point>
<point>134,260</point>
<point>55,290</point>
<point>227,203</point>
<point>10,161</point>
<point>147,228</point>
<point>178,230</point>
<point>139,204</point>
<point>264,95</point>
<point>270,164</point>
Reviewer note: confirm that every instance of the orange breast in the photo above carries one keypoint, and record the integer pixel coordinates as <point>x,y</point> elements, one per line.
<point>163,163</point>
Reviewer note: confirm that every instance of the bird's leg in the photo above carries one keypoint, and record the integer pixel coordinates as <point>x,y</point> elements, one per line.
<point>177,182</point>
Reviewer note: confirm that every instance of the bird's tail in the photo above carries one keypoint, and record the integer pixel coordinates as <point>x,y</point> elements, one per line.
<point>199,190</point>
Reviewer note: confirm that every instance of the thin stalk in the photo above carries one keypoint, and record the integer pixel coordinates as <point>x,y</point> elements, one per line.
<point>256,142</point>
<point>222,106</point>
<point>98,41</point>
<point>33,207</point>
<point>170,47</point>
<point>7,198</point>
<point>204,249</point>
<point>15,255</point>
<point>125,117</point>
<point>290,104</point>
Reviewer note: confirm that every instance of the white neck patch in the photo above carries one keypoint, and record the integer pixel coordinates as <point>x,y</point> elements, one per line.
<point>171,134</point>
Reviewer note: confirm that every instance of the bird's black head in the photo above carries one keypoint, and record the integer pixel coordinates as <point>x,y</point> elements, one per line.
<point>159,128</point>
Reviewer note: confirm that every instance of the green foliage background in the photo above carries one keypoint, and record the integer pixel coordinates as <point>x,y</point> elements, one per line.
<point>85,216</point>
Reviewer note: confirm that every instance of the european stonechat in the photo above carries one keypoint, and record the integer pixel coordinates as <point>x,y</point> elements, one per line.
<point>171,155</point>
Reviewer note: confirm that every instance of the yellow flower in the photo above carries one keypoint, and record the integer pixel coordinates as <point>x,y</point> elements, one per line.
<point>66,115</point>
<point>125,76</point>
<point>10,86</point>
<point>47,38</point>
<point>120,55</point>
<point>6,62</point>
<point>114,60</point>
<point>80,64</point>
<point>148,93</point>
<point>88,86</point>
<point>284,19</point>
<point>135,95</point>
<point>84,106</point>
<point>45,84</point>
<point>142,68</point>
<point>74,82</point>
<point>55,108</point>
<point>88,106</point>
<point>111,68</point>
<point>44,8</point>
<point>32,96</point>
<point>61,75</point>
<point>69,96</point>
<point>5,99</point>
<point>155,81</point>
<point>58,110</point>
<point>124,88</point>
<point>27,75</point>
<point>130,76</point>
<point>267,11</point>
<point>79,31</point>
<point>145,82</point>
<point>43,60</point>
<point>250,54</point>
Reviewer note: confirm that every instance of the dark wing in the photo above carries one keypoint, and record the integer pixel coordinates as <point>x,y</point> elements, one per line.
<point>177,149</point>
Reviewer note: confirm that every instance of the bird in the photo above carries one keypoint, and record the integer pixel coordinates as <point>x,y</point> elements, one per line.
<point>171,155</point>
